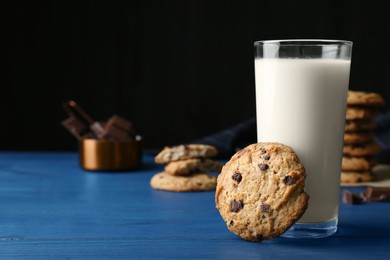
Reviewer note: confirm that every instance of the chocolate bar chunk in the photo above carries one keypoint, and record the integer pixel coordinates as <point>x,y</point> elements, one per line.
<point>120,122</point>
<point>376,194</point>
<point>97,128</point>
<point>117,128</point>
<point>75,127</point>
<point>351,198</point>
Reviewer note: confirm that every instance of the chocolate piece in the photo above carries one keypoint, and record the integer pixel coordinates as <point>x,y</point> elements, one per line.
<point>263,150</point>
<point>288,180</point>
<point>237,177</point>
<point>236,206</point>
<point>73,109</point>
<point>83,119</point>
<point>259,237</point>
<point>97,128</point>
<point>117,129</point>
<point>114,133</point>
<point>120,122</point>
<point>376,194</point>
<point>81,125</point>
<point>351,198</point>
<point>231,223</point>
<point>75,127</point>
<point>263,166</point>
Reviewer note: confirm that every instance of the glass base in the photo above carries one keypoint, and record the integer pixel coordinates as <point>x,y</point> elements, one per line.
<point>312,230</point>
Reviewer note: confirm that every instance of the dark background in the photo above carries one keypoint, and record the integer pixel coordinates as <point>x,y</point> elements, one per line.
<point>180,70</point>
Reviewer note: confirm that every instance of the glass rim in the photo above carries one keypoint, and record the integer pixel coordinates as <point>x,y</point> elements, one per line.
<point>302,42</point>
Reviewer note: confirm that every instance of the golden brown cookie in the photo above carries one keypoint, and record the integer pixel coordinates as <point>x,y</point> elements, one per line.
<point>359,125</point>
<point>360,98</point>
<point>356,177</point>
<point>357,163</point>
<point>194,182</point>
<point>354,113</point>
<point>189,166</point>
<point>367,149</point>
<point>260,191</point>
<point>358,137</point>
<point>183,152</point>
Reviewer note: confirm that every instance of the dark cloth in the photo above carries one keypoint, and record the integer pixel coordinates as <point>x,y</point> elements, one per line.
<point>382,134</point>
<point>230,140</point>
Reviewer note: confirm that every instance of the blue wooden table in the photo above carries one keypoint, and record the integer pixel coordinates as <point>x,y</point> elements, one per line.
<point>50,208</point>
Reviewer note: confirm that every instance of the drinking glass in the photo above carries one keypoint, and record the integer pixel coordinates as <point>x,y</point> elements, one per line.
<point>301,94</point>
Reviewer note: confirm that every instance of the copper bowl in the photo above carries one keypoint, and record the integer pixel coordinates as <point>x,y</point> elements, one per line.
<point>106,155</point>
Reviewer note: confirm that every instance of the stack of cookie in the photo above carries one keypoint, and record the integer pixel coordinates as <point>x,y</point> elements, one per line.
<point>186,169</point>
<point>359,145</point>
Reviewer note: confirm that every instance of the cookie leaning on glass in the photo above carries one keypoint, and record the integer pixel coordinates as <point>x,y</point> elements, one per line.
<point>260,191</point>
<point>186,169</point>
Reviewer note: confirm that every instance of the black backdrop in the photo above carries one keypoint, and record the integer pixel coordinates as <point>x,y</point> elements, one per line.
<point>179,70</point>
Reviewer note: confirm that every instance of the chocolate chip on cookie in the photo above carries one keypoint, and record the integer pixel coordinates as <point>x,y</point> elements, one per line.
<point>288,180</point>
<point>265,207</point>
<point>263,166</point>
<point>237,177</point>
<point>236,206</point>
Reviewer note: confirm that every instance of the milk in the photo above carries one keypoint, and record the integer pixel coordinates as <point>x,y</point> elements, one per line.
<point>301,103</point>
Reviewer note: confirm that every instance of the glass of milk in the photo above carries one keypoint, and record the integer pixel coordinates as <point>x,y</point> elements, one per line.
<point>301,95</point>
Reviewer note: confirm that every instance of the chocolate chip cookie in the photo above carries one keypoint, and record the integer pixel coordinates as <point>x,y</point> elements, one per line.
<point>361,98</point>
<point>366,149</point>
<point>357,163</point>
<point>194,182</point>
<point>260,191</point>
<point>189,166</point>
<point>358,137</point>
<point>359,125</point>
<point>356,177</point>
<point>183,152</point>
<point>354,113</point>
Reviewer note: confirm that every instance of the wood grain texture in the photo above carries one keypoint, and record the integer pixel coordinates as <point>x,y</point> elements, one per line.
<point>50,208</point>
